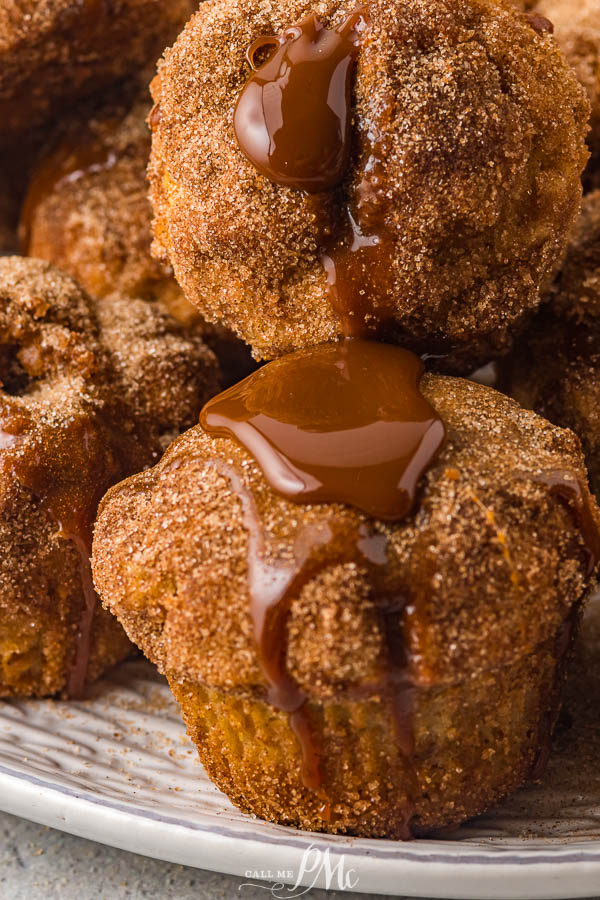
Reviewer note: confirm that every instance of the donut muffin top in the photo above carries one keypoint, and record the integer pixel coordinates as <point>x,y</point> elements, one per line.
<point>463,172</point>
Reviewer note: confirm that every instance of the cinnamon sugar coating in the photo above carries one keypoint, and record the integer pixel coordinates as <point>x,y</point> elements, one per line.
<point>87,394</point>
<point>87,212</point>
<point>53,52</point>
<point>577,32</point>
<point>491,564</point>
<point>481,163</point>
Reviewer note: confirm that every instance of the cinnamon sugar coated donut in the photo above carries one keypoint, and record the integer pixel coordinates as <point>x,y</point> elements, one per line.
<point>361,574</point>
<point>576,293</point>
<point>576,26</point>
<point>87,212</point>
<point>555,369</point>
<point>53,52</point>
<point>466,161</point>
<point>477,594</point>
<point>87,396</point>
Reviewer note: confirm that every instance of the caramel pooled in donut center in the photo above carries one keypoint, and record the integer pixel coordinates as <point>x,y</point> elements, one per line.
<point>342,422</point>
<point>292,118</point>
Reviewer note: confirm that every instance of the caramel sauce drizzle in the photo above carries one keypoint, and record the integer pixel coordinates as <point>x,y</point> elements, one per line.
<point>274,581</point>
<point>68,469</point>
<point>359,265</point>
<point>539,23</point>
<point>292,118</point>
<point>293,121</point>
<point>344,423</point>
<point>341,422</point>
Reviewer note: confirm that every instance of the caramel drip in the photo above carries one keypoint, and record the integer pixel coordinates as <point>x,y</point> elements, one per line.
<point>76,682</point>
<point>155,117</point>
<point>72,159</point>
<point>575,494</point>
<point>68,468</point>
<point>292,119</point>
<point>359,265</point>
<point>341,422</point>
<point>275,580</point>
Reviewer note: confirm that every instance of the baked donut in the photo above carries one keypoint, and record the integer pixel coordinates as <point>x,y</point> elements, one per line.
<point>575,295</point>
<point>555,370</point>
<point>454,174</point>
<point>555,367</point>
<point>87,212</point>
<point>576,25</point>
<point>88,394</point>
<point>344,673</point>
<point>53,52</point>
<point>86,209</point>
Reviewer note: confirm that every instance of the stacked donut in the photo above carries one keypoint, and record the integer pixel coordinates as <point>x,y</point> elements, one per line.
<point>362,572</point>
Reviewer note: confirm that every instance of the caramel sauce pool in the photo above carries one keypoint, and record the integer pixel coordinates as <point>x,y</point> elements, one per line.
<point>292,118</point>
<point>341,422</point>
<point>293,122</point>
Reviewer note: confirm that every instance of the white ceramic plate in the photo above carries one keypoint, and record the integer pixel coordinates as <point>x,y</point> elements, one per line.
<point>118,768</point>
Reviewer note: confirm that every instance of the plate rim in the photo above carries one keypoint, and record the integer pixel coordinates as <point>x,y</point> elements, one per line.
<point>563,871</point>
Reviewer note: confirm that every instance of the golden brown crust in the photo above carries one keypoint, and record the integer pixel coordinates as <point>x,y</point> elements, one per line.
<point>167,371</point>
<point>476,742</point>
<point>485,153</point>
<point>55,51</point>
<point>576,26</point>
<point>72,401</point>
<point>491,564</point>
